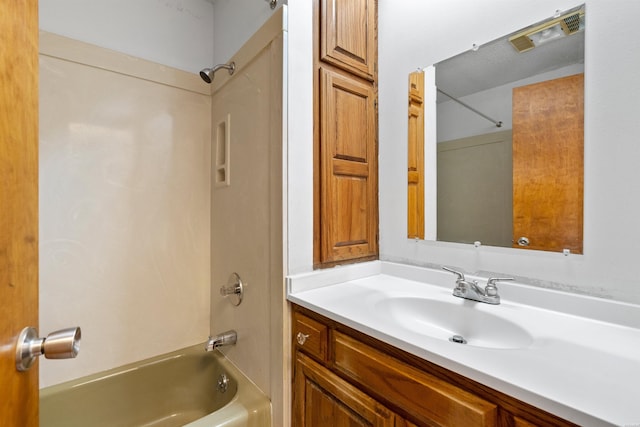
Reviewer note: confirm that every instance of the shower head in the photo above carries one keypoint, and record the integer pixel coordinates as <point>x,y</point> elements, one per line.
<point>208,73</point>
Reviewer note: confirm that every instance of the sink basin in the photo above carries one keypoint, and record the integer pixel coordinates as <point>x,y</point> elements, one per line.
<point>443,320</point>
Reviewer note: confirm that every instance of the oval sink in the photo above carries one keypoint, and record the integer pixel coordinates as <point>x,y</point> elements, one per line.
<point>443,319</point>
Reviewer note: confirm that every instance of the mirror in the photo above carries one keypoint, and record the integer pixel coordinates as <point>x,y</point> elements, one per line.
<point>496,137</point>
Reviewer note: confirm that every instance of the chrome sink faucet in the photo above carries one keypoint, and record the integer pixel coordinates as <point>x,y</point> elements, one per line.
<point>471,291</point>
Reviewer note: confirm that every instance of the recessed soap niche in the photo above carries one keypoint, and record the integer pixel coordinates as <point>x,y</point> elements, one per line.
<point>222,171</point>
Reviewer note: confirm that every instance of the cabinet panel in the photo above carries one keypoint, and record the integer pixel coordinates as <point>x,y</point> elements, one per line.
<point>348,168</point>
<point>430,399</point>
<point>322,399</point>
<point>310,336</point>
<point>349,36</point>
<point>519,422</point>
<point>400,422</point>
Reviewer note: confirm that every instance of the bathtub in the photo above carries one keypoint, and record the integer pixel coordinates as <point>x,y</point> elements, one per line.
<point>174,389</point>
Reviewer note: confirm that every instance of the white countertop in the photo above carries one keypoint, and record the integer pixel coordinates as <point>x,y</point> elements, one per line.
<point>582,362</point>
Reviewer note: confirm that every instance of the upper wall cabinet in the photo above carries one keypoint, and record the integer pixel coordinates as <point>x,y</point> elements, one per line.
<point>348,35</point>
<point>345,132</point>
<point>348,168</point>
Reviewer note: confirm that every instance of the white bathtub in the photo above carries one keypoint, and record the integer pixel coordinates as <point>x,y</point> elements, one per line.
<point>174,389</point>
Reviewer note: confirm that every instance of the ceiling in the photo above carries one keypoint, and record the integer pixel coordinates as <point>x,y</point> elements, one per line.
<point>498,63</point>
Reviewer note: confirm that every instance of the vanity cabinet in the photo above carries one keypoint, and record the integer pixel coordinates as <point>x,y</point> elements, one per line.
<point>343,376</point>
<point>345,132</point>
<point>327,400</point>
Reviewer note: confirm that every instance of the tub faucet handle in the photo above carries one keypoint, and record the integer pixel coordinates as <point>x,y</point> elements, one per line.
<point>234,288</point>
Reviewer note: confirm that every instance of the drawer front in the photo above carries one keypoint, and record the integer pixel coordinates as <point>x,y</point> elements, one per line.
<point>310,336</point>
<point>430,399</point>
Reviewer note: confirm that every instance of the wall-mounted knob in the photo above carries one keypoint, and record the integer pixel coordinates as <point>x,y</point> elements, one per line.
<point>234,289</point>
<point>62,344</point>
<point>301,338</point>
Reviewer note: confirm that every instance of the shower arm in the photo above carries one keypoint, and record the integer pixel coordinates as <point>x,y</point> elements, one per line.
<point>231,67</point>
<point>207,74</point>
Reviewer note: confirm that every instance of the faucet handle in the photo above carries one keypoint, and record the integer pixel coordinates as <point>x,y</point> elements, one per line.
<point>492,289</point>
<point>459,274</point>
<point>234,288</point>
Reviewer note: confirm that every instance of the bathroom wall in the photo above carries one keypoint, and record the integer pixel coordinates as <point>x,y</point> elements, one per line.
<point>247,222</point>
<point>299,150</point>
<point>176,33</point>
<point>235,22</point>
<point>414,34</point>
<point>124,206</point>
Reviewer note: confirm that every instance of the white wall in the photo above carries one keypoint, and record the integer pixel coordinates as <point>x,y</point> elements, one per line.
<point>177,33</point>
<point>234,23</point>
<point>300,138</point>
<point>415,33</point>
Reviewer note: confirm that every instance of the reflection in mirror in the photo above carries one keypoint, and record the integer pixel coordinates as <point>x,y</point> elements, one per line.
<point>504,123</point>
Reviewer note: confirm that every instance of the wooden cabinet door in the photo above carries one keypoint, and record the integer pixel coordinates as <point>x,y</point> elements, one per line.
<point>348,36</point>
<point>323,399</point>
<point>348,168</point>
<point>548,164</point>
<point>19,205</point>
<point>415,165</point>
<point>429,399</point>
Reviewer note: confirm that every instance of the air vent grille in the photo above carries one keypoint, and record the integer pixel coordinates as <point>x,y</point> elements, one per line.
<point>522,43</point>
<point>571,24</point>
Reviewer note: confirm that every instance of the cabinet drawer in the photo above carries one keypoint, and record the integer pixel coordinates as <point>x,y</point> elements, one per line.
<point>429,399</point>
<point>310,336</point>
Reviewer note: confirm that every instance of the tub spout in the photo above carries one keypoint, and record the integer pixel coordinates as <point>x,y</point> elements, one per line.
<point>225,338</point>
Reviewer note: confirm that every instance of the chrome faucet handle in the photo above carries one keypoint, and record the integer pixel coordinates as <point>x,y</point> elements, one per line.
<point>459,274</point>
<point>492,289</point>
<point>234,289</point>
<point>462,285</point>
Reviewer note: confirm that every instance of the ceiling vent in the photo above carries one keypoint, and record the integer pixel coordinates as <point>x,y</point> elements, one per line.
<point>555,28</point>
<point>571,23</point>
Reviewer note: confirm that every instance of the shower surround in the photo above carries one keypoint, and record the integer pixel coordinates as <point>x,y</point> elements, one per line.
<point>124,205</point>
